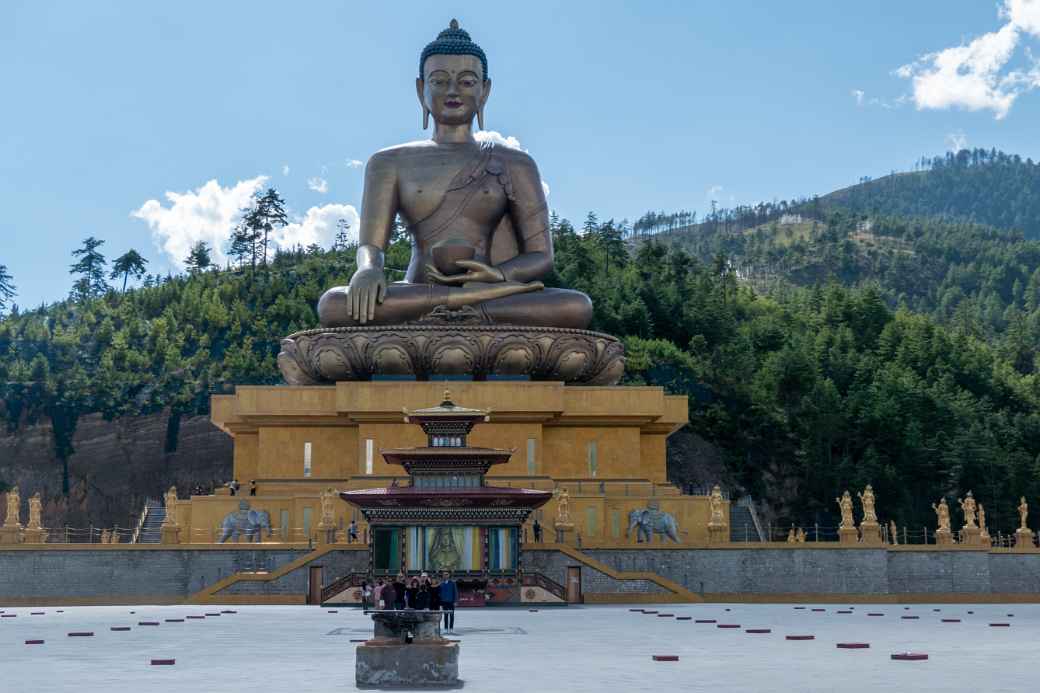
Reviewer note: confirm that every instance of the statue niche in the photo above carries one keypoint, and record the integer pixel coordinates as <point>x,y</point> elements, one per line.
<point>650,521</point>
<point>472,300</point>
<point>245,522</point>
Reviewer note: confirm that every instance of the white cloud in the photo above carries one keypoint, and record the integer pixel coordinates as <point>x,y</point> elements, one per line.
<point>318,185</point>
<point>206,214</point>
<point>285,169</point>
<point>498,138</point>
<point>956,141</point>
<point>858,94</point>
<point>318,225</point>
<point>545,188</point>
<point>355,163</point>
<point>1025,14</point>
<point>974,76</point>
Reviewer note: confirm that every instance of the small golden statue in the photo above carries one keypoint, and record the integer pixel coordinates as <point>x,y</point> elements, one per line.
<point>171,507</point>
<point>893,535</point>
<point>715,501</point>
<point>983,532</point>
<point>799,536</point>
<point>113,537</point>
<point>328,516</point>
<point>563,507</point>
<point>105,537</point>
<point>942,513</point>
<point>867,499</point>
<point>968,506</point>
<point>14,500</point>
<point>845,503</point>
<point>791,539</point>
<point>35,512</point>
<point>1023,535</point>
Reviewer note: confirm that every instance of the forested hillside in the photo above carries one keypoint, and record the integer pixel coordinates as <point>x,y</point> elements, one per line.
<point>978,185</point>
<point>818,353</point>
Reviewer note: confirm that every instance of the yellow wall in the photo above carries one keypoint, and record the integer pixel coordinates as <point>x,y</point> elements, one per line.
<point>281,452</point>
<point>629,426</point>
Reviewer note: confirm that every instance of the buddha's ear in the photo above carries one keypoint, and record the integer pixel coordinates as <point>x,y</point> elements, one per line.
<point>483,100</point>
<point>420,87</point>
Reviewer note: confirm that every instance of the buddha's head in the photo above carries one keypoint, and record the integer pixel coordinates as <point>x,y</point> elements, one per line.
<point>453,82</point>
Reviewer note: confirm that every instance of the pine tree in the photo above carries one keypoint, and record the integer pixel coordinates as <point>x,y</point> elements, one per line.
<point>91,270</point>
<point>342,240</point>
<point>127,264</point>
<point>270,214</point>
<point>198,259</point>
<point>244,239</point>
<point>7,288</point>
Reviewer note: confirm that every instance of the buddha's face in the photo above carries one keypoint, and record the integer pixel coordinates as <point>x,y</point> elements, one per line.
<point>453,88</point>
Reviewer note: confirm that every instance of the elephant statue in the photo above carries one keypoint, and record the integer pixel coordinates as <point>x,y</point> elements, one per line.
<point>251,523</point>
<point>650,521</point>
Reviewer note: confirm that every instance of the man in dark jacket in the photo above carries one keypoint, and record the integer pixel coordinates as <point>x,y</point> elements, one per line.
<point>449,594</point>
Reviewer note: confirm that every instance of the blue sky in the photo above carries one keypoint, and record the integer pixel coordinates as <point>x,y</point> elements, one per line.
<point>145,124</point>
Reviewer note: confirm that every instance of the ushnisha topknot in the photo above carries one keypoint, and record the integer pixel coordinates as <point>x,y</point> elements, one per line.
<point>453,41</point>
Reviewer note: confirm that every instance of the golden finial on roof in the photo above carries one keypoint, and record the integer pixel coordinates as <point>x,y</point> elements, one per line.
<point>447,396</point>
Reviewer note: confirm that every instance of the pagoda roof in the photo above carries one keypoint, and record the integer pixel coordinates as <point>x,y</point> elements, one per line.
<point>411,496</point>
<point>447,410</point>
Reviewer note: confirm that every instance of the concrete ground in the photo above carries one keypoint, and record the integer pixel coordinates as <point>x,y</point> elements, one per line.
<point>603,649</point>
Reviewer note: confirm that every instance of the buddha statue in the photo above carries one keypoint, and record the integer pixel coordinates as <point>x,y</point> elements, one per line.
<point>476,214</point>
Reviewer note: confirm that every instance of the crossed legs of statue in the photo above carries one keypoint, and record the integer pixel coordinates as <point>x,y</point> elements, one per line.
<point>505,303</point>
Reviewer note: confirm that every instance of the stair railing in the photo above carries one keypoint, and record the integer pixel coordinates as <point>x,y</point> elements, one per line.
<point>140,522</point>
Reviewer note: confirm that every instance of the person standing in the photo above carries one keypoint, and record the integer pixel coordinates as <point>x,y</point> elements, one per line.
<point>389,596</point>
<point>252,487</point>
<point>399,586</point>
<point>411,595</point>
<point>352,532</point>
<point>422,598</point>
<point>449,594</point>
<point>366,595</point>
<point>377,594</point>
<point>537,527</point>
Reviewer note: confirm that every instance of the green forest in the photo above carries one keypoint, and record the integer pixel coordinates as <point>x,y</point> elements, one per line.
<point>844,348</point>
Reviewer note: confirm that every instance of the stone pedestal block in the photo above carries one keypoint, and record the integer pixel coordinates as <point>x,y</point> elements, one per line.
<point>564,532</point>
<point>11,534</point>
<point>1024,540</point>
<point>718,534</point>
<point>326,535</point>
<point>399,665</point>
<point>34,536</point>
<point>848,535</point>
<point>943,537</point>
<point>870,533</point>
<point>171,534</point>
<point>971,536</point>
<point>407,652</point>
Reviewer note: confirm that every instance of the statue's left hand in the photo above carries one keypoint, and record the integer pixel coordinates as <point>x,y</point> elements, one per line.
<point>478,272</point>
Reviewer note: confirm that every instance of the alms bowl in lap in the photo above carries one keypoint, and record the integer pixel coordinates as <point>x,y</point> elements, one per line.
<point>442,348</point>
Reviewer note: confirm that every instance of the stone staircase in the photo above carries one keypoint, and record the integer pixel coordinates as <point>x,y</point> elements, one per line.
<point>151,528</point>
<point>742,523</point>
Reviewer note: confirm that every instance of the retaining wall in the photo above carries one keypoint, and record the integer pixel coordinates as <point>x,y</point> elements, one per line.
<point>157,574</point>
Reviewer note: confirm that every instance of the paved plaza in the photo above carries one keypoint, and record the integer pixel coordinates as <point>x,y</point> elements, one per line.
<point>304,649</point>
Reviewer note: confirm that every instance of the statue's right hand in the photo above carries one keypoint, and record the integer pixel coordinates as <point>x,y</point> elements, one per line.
<point>367,288</point>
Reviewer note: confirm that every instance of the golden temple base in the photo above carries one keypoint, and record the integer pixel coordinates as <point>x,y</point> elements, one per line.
<point>870,533</point>
<point>11,535</point>
<point>1024,541</point>
<point>34,536</point>
<point>170,534</point>
<point>943,537</point>
<point>848,535</point>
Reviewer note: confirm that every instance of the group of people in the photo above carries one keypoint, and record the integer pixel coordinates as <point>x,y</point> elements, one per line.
<point>234,487</point>
<point>421,593</point>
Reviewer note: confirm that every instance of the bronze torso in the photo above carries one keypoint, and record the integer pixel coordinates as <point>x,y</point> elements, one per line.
<point>451,192</point>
